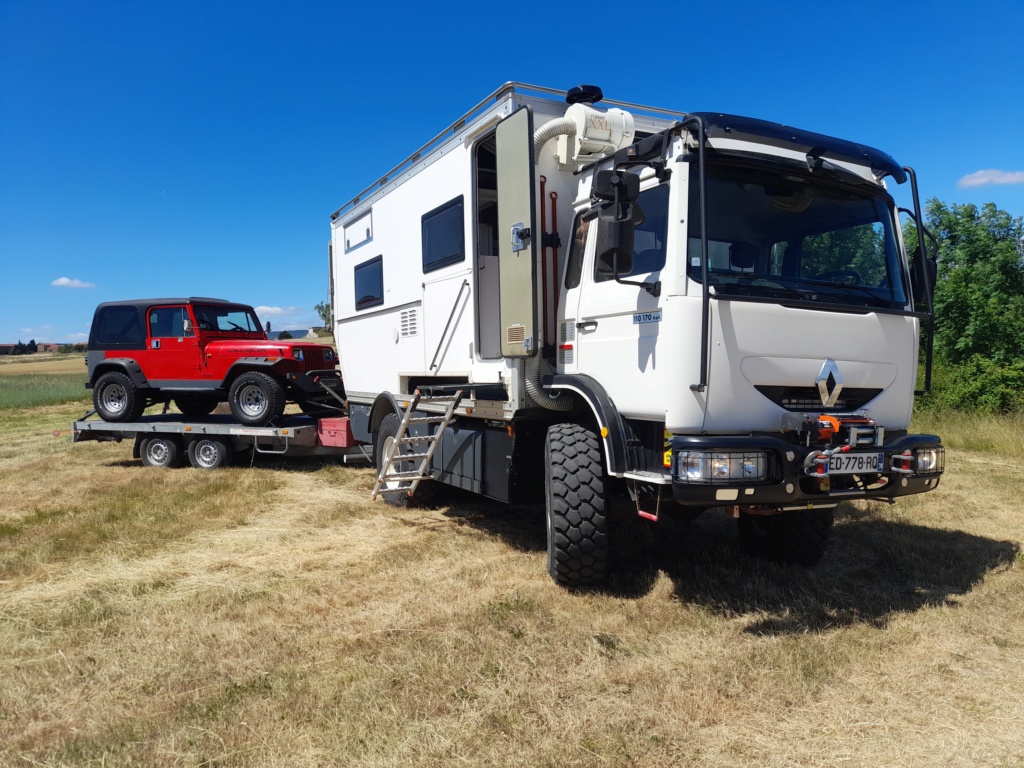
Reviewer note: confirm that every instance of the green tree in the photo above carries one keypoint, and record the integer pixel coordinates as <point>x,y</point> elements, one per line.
<point>283,335</point>
<point>979,293</point>
<point>324,310</point>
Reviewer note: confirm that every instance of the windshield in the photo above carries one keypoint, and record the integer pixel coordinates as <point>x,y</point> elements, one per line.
<point>776,235</point>
<point>228,319</point>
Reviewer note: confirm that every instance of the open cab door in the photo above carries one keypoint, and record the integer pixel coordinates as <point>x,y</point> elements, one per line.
<point>516,249</point>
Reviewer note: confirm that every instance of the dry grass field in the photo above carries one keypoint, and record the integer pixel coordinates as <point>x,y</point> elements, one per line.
<point>273,616</point>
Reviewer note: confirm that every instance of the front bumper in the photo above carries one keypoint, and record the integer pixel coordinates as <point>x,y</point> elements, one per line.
<point>793,479</point>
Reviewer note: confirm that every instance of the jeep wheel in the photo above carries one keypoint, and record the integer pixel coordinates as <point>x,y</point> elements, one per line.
<point>195,407</point>
<point>160,452</point>
<point>256,399</point>
<point>208,453</point>
<point>117,398</point>
<point>576,518</point>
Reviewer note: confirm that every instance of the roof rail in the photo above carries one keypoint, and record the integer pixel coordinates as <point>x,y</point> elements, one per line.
<point>505,89</point>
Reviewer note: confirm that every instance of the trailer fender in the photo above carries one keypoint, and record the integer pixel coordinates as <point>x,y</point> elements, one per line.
<point>609,423</point>
<point>123,364</point>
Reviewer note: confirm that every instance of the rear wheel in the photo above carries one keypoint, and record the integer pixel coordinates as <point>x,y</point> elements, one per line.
<point>209,453</point>
<point>427,490</point>
<point>577,519</point>
<point>195,407</point>
<point>256,399</point>
<point>799,536</point>
<point>117,398</point>
<point>160,451</point>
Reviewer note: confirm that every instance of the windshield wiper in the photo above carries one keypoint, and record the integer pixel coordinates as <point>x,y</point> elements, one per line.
<point>765,282</point>
<point>853,290</point>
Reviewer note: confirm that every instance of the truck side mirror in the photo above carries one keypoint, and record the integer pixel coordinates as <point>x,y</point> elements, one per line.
<point>920,268</point>
<point>615,233</point>
<point>615,186</point>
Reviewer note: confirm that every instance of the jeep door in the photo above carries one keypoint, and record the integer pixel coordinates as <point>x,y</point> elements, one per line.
<point>174,356</point>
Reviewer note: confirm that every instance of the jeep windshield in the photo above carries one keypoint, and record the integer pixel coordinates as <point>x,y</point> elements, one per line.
<point>212,317</point>
<point>777,235</point>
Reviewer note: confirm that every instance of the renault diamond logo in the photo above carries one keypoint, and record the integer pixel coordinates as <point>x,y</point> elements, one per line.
<point>830,383</point>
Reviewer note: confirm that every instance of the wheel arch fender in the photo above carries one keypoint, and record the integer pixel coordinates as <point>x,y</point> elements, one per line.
<point>384,404</point>
<point>125,365</point>
<point>611,431</point>
<point>251,364</point>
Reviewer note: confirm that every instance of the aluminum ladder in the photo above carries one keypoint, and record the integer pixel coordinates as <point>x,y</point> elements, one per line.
<point>423,448</point>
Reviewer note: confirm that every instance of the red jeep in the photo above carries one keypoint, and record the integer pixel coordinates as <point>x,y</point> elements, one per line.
<point>201,352</point>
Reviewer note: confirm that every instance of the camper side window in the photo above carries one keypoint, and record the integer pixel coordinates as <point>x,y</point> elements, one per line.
<point>444,239</point>
<point>370,283</point>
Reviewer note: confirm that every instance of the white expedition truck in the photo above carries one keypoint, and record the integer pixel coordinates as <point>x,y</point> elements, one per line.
<point>565,299</point>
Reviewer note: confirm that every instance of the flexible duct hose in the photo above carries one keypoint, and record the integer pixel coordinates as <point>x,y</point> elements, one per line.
<point>536,393</point>
<point>548,131</point>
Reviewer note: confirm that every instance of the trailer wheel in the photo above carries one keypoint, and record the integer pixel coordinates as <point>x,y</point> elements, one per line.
<point>209,453</point>
<point>576,516</point>
<point>797,537</point>
<point>427,491</point>
<point>256,399</point>
<point>195,407</point>
<point>160,451</point>
<point>116,397</point>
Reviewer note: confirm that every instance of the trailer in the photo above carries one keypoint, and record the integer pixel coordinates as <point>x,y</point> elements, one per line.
<point>168,440</point>
<point>561,298</point>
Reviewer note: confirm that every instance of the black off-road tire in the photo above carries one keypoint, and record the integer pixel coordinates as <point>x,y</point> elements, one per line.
<point>195,407</point>
<point>427,491</point>
<point>161,451</point>
<point>798,537</point>
<point>256,399</point>
<point>209,452</point>
<point>116,398</point>
<point>577,519</point>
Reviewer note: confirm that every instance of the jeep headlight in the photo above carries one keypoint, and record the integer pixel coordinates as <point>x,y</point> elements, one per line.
<point>297,354</point>
<point>328,355</point>
<point>722,467</point>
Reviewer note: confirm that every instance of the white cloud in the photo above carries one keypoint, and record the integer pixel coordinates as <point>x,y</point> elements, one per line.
<point>71,282</point>
<point>278,311</point>
<point>982,178</point>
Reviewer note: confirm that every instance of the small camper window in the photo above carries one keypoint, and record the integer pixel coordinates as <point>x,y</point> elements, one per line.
<point>444,240</point>
<point>370,283</point>
<point>359,231</point>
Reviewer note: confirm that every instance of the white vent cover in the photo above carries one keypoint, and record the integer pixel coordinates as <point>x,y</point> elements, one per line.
<point>515,334</point>
<point>409,322</point>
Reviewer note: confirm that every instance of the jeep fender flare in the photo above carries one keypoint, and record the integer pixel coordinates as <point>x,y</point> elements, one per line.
<point>124,365</point>
<point>610,428</point>
<point>247,364</point>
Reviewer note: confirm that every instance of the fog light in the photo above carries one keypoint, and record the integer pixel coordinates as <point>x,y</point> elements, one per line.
<point>929,461</point>
<point>722,467</point>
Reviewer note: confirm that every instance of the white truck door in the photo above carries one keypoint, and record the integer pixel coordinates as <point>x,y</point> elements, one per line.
<point>618,326</point>
<point>516,249</point>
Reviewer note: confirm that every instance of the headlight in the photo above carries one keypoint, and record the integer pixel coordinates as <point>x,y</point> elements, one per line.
<point>297,354</point>
<point>719,467</point>
<point>328,354</point>
<point>929,461</point>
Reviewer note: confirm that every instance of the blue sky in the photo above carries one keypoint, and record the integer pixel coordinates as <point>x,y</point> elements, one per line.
<point>199,148</point>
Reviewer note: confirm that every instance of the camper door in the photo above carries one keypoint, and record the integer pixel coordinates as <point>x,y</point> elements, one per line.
<point>517,235</point>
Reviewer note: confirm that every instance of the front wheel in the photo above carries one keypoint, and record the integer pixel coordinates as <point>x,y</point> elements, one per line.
<point>256,399</point>
<point>799,536</point>
<point>577,520</point>
<point>427,490</point>
<point>209,453</point>
<point>116,398</point>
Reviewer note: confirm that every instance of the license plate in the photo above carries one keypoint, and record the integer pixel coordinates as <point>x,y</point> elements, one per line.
<point>856,463</point>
